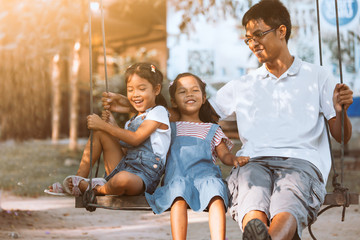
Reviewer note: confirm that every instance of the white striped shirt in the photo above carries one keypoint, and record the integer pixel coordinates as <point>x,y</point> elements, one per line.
<point>200,130</point>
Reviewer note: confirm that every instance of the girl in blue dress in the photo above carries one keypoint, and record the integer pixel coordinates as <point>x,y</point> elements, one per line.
<point>191,176</point>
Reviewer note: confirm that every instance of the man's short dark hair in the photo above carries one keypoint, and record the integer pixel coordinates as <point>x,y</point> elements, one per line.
<point>273,12</point>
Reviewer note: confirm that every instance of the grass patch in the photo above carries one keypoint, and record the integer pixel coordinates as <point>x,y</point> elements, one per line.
<point>30,167</point>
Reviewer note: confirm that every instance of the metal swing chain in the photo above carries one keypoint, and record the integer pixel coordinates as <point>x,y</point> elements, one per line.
<point>105,66</point>
<point>89,198</point>
<point>341,187</point>
<point>104,47</point>
<point>337,187</point>
<point>334,183</point>
<point>341,81</point>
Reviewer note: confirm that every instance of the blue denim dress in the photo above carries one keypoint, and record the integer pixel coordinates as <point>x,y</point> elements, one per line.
<point>140,160</point>
<point>190,173</point>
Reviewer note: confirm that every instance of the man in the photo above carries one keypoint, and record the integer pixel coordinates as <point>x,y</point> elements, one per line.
<point>279,110</point>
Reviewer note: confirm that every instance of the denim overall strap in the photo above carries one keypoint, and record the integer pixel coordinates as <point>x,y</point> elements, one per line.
<point>133,126</point>
<point>173,136</point>
<point>211,132</point>
<point>173,130</point>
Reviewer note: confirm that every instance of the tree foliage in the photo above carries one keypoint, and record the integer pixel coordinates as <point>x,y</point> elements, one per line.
<point>212,10</point>
<point>31,33</point>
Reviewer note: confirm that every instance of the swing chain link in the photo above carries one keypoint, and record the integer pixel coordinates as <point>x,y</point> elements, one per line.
<point>89,199</point>
<point>345,198</point>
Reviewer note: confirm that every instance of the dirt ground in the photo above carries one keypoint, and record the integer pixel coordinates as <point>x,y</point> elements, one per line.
<point>52,217</point>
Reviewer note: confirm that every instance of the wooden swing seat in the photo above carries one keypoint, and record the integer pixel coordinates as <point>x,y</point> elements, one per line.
<point>118,202</point>
<point>139,202</point>
<point>339,199</point>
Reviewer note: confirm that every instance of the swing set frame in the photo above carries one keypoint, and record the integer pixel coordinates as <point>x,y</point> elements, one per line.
<point>340,197</point>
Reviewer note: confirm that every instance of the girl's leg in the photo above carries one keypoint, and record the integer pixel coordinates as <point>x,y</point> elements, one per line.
<point>102,143</point>
<point>217,220</point>
<point>122,183</point>
<point>179,219</point>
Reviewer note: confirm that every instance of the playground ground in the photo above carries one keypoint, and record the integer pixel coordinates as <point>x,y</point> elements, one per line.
<point>49,217</point>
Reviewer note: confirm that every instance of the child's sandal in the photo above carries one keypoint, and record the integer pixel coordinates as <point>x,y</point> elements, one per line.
<point>57,190</point>
<point>75,182</point>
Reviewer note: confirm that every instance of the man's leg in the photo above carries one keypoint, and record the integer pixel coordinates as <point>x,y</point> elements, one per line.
<point>253,215</point>
<point>283,226</point>
<point>250,187</point>
<point>255,226</point>
<point>293,200</point>
<point>297,196</point>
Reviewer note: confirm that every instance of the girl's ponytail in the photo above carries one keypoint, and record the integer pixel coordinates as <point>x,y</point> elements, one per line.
<point>160,100</point>
<point>208,114</point>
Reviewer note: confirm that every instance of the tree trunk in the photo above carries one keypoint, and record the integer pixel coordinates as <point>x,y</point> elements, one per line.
<point>56,99</point>
<point>74,97</point>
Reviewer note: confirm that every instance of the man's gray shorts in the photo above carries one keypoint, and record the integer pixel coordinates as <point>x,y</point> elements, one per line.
<point>276,184</point>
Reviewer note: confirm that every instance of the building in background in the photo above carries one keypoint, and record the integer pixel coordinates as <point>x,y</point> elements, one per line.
<point>214,48</point>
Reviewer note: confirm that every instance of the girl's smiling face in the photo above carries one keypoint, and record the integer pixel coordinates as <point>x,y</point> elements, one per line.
<point>188,96</point>
<point>141,93</point>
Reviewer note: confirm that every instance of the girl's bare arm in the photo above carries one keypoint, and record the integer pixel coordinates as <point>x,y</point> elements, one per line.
<point>228,158</point>
<point>132,138</point>
<point>115,102</point>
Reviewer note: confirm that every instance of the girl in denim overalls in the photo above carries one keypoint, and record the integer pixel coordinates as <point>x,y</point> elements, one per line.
<point>191,176</point>
<point>134,157</point>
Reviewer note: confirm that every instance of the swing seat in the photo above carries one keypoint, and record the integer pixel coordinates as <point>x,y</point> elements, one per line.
<point>341,199</point>
<point>114,202</point>
<point>139,203</point>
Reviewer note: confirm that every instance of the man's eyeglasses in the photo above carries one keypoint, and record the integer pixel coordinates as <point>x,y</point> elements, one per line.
<point>257,35</point>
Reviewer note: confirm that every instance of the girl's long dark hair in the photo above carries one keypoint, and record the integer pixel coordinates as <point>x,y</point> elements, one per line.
<point>149,72</point>
<point>206,112</point>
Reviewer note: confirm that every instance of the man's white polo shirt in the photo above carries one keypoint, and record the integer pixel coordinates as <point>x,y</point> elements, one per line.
<point>282,116</point>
